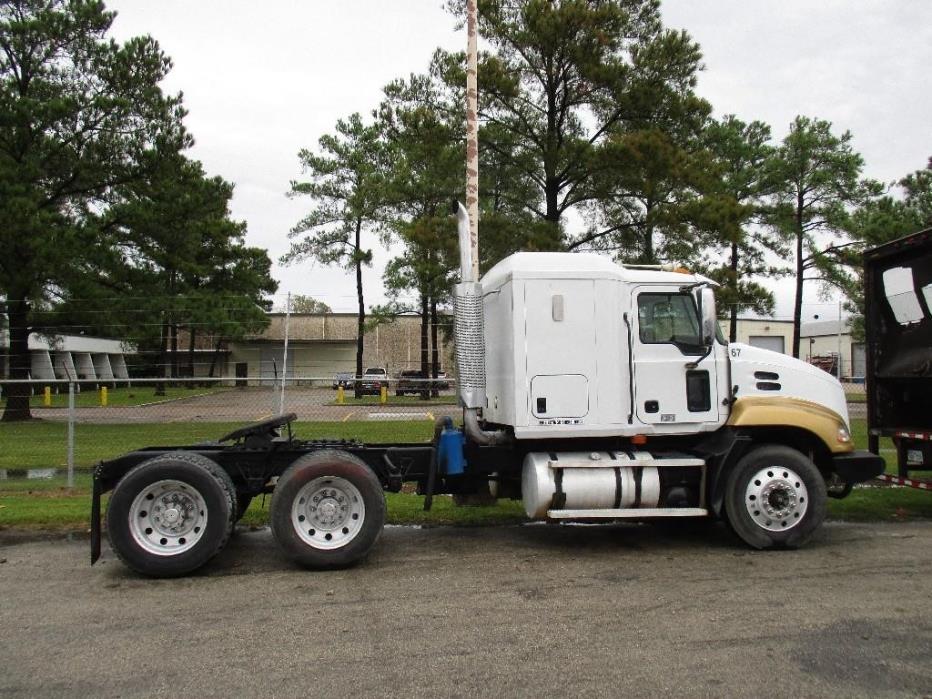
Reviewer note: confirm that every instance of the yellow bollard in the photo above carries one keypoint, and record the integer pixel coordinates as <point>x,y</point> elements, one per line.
<point>103,396</point>
<point>341,395</point>
<point>47,397</point>
<point>383,395</point>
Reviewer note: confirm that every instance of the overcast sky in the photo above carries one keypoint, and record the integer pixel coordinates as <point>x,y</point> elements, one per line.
<point>263,80</point>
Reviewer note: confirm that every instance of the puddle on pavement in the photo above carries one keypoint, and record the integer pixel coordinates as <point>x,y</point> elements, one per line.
<point>34,474</point>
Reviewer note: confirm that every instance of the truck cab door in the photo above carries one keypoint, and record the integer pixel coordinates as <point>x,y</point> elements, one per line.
<point>674,377</point>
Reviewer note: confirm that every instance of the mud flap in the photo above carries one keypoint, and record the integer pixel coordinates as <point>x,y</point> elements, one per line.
<point>95,520</point>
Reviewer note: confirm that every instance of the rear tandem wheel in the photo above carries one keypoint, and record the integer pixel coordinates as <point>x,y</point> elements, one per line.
<point>328,510</point>
<point>171,514</point>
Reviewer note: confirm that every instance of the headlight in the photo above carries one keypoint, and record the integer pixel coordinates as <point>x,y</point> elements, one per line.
<point>844,437</point>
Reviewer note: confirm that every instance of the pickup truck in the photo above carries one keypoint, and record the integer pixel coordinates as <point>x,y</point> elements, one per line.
<point>412,382</point>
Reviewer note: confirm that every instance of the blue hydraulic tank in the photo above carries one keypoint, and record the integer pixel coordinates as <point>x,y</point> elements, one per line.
<point>450,455</point>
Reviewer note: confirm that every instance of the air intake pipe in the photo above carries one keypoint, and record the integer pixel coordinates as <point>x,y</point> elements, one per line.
<point>470,338</point>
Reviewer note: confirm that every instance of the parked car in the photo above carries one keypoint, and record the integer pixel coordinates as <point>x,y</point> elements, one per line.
<point>442,383</point>
<point>344,379</point>
<point>413,382</point>
<point>373,380</point>
<point>409,382</point>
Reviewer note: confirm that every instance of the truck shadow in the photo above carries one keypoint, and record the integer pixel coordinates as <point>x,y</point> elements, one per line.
<point>632,536</point>
<point>254,552</point>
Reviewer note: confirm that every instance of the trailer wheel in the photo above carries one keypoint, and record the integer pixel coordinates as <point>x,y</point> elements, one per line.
<point>775,498</point>
<point>171,514</point>
<point>328,510</point>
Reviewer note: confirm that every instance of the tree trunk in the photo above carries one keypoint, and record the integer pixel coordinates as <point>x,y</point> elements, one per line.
<point>552,212</point>
<point>174,336</point>
<point>17,394</point>
<point>552,200</point>
<point>733,313</point>
<point>216,356</point>
<point>192,333</point>
<point>425,349</point>
<point>434,348</point>
<point>648,251</point>
<point>800,269</point>
<point>361,313</point>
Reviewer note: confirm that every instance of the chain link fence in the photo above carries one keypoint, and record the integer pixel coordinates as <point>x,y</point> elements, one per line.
<point>76,424</point>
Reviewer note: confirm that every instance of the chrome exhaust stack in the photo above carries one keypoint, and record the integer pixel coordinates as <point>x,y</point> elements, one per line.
<point>469,328</point>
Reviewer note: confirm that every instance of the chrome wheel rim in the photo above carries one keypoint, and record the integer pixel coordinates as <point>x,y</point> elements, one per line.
<point>168,518</point>
<point>776,498</point>
<point>328,512</point>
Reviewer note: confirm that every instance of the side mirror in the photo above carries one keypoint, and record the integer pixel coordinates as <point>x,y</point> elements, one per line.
<point>709,317</point>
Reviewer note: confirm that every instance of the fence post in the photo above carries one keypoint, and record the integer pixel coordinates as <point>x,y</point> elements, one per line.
<point>281,402</point>
<point>71,434</point>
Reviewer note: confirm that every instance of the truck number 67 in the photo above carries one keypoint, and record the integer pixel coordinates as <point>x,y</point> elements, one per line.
<point>735,351</point>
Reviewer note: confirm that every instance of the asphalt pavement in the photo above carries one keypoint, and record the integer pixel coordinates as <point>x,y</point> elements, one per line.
<point>537,610</point>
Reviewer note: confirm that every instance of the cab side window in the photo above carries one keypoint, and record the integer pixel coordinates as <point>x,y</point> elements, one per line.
<point>668,319</point>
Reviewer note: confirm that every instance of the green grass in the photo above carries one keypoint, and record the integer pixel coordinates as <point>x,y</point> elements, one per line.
<point>882,504</point>
<point>47,504</point>
<point>42,444</point>
<point>61,511</point>
<point>123,397</point>
<point>55,508</point>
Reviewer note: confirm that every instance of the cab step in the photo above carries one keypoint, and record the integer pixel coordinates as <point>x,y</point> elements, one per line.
<point>629,513</point>
<point>641,459</point>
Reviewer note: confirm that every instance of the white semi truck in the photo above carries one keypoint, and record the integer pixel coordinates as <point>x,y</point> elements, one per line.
<point>591,391</point>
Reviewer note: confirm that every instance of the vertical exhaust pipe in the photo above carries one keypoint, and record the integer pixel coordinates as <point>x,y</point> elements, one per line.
<point>469,325</point>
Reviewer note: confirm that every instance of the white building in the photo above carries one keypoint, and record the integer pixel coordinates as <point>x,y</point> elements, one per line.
<point>67,357</point>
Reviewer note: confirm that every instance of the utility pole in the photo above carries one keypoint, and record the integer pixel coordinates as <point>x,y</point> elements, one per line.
<point>839,340</point>
<point>472,132</point>
<point>281,399</point>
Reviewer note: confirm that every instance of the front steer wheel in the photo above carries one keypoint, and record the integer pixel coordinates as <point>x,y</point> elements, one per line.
<point>328,510</point>
<point>171,514</point>
<point>775,498</point>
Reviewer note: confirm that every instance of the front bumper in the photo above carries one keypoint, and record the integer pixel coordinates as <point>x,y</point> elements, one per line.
<point>857,466</point>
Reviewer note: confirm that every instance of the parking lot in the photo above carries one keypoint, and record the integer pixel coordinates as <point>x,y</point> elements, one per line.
<point>617,610</point>
<point>259,402</point>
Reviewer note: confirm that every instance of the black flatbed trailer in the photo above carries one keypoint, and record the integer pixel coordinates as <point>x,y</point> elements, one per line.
<point>898,325</point>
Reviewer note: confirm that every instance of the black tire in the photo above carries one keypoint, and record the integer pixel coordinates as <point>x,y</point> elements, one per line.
<point>361,518</point>
<point>794,508</point>
<point>195,472</point>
